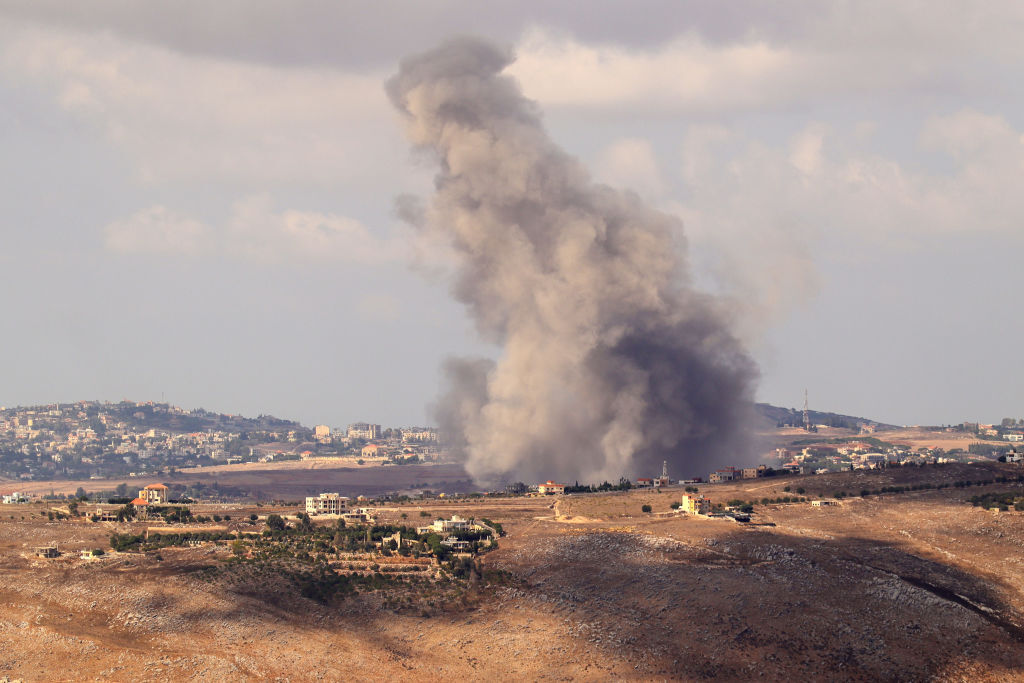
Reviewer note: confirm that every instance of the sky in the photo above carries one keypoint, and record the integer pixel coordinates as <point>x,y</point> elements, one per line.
<point>198,200</point>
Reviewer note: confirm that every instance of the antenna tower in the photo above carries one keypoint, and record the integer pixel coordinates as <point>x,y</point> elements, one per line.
<point>807,416</point>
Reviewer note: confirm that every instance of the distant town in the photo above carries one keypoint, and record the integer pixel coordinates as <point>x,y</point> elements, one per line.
<point>102,440</point>
<point>92,440</point>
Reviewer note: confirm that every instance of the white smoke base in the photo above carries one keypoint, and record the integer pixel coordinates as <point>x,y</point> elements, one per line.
<point>610,361</point>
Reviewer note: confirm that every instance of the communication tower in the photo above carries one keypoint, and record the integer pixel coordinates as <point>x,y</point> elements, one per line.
<point>807,415</point>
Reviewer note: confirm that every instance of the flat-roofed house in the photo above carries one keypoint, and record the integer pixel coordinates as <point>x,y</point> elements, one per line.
<point>154,493</point>
<point>695,504</point>
<point>326,504</point>
<point>550,488</point>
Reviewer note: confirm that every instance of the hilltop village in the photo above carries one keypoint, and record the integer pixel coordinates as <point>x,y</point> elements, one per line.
<point>101,440</point>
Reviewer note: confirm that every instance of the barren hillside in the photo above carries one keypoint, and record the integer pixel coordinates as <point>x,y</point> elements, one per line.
<point>911,586</point>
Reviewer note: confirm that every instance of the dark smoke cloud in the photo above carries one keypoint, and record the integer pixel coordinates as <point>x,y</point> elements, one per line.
<point>611,362</point>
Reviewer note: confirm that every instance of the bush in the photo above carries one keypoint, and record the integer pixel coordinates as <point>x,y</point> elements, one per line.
<point>800,490</point>
<point>786,489</point>
<point>645,508</point>
<point>675,505</point>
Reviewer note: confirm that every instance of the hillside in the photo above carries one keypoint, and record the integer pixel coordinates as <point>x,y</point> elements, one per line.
<point>907,585</point>
<point>795,417</point>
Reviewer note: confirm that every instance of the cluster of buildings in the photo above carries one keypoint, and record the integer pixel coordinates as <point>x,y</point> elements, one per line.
<point>100,440</point>
<point>91,439</point>
<point>369,441</point>
<point>733,473</point>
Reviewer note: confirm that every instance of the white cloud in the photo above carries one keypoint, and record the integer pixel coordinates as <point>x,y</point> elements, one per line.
<point>757,214</point>
<point>157,229</point>
<point>256,232</point>
<point>194,118</point>
<point>688,73</point>
<point>838,53</point>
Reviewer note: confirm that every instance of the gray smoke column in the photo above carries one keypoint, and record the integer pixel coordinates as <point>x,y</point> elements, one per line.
<point>610,361</point>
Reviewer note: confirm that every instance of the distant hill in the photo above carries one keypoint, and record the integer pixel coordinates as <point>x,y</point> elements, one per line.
<point>795,417</point>
<point>163,416</point>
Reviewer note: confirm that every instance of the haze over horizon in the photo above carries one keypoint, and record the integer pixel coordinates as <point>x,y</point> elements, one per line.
<point>202,208</point>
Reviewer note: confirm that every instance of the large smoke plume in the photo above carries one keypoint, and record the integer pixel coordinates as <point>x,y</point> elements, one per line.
<point>610,361</point>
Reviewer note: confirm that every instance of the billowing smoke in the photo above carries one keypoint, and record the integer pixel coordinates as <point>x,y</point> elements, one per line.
<point>610,361</point>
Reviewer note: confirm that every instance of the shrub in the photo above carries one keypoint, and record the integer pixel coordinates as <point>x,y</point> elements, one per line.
<point>675,505</point>
<point>645,508</point>
<point>800,490</point>
<point>786,489</point>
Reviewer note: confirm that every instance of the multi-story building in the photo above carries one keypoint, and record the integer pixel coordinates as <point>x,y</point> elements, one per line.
<point>695,504</point>
<point>154,494</point>
<point>419,434</point>
<point>322,433</point>
<point>725,474</point>
<point>754,472</point>
<point>456,523</point>
<point>363,430</point>
<point>326,504</point>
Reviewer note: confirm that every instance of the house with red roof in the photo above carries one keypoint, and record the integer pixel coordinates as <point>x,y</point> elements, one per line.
<point>154,493</point>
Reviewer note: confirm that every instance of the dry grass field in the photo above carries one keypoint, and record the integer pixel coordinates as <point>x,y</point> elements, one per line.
<point>287,480</point>
<point>912,586</point>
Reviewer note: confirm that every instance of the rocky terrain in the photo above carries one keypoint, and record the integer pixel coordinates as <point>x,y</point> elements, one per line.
<point>918,586</point>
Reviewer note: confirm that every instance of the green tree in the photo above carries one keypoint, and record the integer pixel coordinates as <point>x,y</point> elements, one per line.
<point>645,508</point>
<point>276,522</point>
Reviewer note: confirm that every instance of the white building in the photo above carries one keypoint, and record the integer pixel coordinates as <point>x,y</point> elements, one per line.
<point>363,430</point>
<point>419,435</point>
<point>550,488</point>
<point>326,504</point>
<point>444,526</point>
<point>322,433</point>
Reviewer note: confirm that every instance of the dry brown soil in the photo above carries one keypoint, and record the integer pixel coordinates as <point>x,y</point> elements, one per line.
<point>918,586</point>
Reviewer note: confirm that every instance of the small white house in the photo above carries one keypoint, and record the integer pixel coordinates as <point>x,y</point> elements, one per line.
<point>550,488</point>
